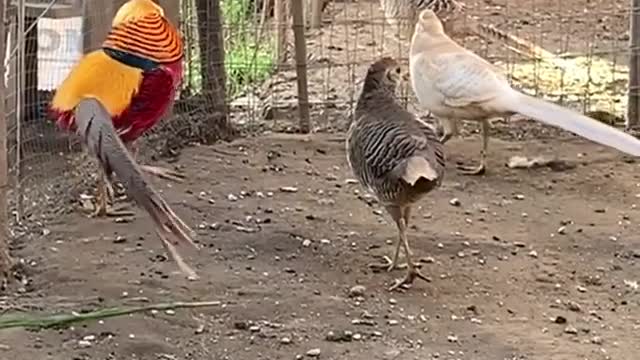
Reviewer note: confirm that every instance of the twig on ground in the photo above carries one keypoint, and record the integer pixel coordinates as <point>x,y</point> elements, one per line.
<point>56,320</point>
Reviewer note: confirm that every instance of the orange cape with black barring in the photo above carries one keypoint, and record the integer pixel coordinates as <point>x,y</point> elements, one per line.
<point>136,96</point>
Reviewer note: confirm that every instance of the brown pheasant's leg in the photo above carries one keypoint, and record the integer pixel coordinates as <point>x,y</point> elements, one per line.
<point>103,196</point>
<point>389,264</point>
<point>412,269</point>
<point>156,170</point>
<point>481,168</point>
<point>396,214</point>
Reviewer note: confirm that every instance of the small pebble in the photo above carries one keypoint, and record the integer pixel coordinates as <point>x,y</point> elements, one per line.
<point>285,340</point>
<point>84,344</point>
<point>454,202</point>
<point>313,353</point>
<point>571,330</point>
<point>289,189</point>
<point>357,291</point>
<point>306,243</point>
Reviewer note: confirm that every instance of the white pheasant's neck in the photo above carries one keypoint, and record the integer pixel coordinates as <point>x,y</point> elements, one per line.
<point>424,40</point>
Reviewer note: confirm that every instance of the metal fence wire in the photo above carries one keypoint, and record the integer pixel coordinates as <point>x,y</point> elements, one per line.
<point>589,41</point>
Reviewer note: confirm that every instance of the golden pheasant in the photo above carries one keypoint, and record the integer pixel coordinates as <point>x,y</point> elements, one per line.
<point>113,95</point>
<point>134,76</point>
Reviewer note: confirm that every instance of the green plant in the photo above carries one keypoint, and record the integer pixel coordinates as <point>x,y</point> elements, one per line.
<point>249,56</point>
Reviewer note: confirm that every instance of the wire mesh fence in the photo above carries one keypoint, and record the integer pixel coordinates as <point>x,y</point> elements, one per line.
<point>251,79</point>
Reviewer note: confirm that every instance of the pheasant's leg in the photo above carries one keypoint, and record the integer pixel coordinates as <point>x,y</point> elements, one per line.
<point>449,129</point>
<point>102,207</point>
<point>396,213</point>
<point>156,170</point>
<point>389,264</point>
<point>164,173</point>
<point>412,269</point>
<point>481,168</point>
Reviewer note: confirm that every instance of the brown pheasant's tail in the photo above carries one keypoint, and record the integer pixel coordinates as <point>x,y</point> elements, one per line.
<point>94,125</point>
<point>517,44</point>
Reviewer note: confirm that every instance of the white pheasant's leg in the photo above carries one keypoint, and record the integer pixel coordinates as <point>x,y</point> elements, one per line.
<point>449,129</point>
<point>481,168</point>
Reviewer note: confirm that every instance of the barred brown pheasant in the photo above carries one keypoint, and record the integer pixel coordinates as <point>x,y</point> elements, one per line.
<point>394,154</point>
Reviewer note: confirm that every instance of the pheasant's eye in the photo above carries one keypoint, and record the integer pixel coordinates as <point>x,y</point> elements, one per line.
<point>398,71</point>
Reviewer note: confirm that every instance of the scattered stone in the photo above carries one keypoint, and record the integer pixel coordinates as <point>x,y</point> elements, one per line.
<point>573,306</point>
<point>232,197</point>
<point>289,189</point>
<point>560,320</point>
<point>562,230</point>
<point>455,202</point>
<point>84,344</point>
<point>254,328</point>
<point>533,254</point>
<point>306,243</point>
<point>518,197</point>
<point>597,340</point>
<point>119,239</point>
<point>285,340</point>
<point>452,339</point>
<point>581,289</point>
<point>313,353</point>
<point>339,336</point>
<point>570,330</point>
<point>393,322</point>
<point>357,291</point>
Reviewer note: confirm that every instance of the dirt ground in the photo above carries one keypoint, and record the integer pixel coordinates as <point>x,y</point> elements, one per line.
<point>537,264</point>
<point>532,264</point>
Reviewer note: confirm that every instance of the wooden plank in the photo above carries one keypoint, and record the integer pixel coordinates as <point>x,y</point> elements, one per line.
<point>297,13</point>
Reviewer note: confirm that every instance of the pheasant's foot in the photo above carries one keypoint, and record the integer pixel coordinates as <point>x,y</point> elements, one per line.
<point>164,173</point>
<point>412,274</point>
<point>105,210</point>
<point>472,170</point>
<point>389,266</point>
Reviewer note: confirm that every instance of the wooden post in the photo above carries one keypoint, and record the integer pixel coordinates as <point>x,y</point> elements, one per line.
<point>280,20</point>
<point>30,99</point>
<point>297,13</point>
<point>97,16</point>
<point>633,106</point>
<point>171,10</point>
<point>315,13</point>
<point>5,260</point>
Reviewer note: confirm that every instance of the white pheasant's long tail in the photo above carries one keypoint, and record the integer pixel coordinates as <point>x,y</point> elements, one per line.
<point>574,122</point>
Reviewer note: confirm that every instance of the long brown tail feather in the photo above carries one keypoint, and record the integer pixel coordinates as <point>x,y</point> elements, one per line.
<point>95,127</point>
<point>516,44</point>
